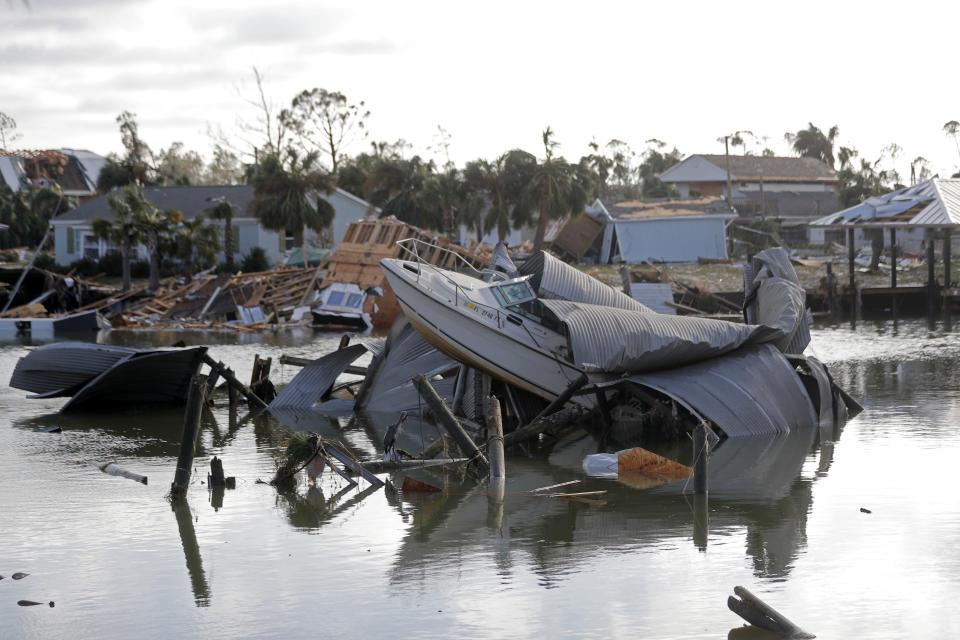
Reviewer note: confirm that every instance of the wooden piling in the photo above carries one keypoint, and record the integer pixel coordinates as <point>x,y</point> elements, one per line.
<point>700,460</point>
<point>216,472</point>
<point>231,390</point>
<point>893,259</point>
<point>188,441</point>
<point>931,273</point>
<point>491,413</point>
<point>851,264</point>
<point>831,290</point>
<point>701,521</point>
<point>448,421</point>
<point>344,341</point>
<point>946,258</point>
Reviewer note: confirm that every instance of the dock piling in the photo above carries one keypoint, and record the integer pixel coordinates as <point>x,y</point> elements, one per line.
<point>188,441</point>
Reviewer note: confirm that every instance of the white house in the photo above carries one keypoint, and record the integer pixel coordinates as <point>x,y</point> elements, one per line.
<point>74,237</point>
<point>656,230</point>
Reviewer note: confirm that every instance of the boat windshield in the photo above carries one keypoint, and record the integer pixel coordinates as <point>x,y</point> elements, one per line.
<point>536,311</point>
<point>513,293</point>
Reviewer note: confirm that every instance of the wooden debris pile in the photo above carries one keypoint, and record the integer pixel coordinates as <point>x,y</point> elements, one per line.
<point>240,302</point>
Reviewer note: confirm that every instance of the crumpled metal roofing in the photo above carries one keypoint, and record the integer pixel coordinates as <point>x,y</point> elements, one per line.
<point>388,385</point>
<point>555,279</point>
<point>616,340</point>
<point>315,379</point>
<point>937,200</point>
<point>500,259</point>
<point>750,391</point>
<point>775,298</point>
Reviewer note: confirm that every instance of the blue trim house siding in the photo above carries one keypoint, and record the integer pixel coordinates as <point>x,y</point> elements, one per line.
<point>680,239</point>
<point>192,201</point>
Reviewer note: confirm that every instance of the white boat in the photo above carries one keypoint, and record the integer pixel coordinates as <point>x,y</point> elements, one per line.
<point>498,325</point>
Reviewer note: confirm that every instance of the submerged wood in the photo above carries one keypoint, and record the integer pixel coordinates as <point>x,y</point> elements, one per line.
<point>559,419</point>
<point>563,398</point>
<point>760,614</point>
<point>384,466</point>
<point>233,382</point>
<point>114,470</point>
<point>449,422</point>
<point>348,461</point>
<point>434,448</point>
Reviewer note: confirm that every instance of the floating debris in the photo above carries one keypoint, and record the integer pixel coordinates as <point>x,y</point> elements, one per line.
<point>19,575</point>
<point>411,485</point>
<point>31,603</point>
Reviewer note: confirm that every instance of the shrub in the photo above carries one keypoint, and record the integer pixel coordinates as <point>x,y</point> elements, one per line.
<point>256,260</point>
<point>111,263</point>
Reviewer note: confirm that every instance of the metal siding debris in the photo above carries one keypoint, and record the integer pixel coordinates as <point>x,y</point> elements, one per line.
<point>310,385</point>
<point>555,279</point>
<point>614,340</point>
<point>775,298</point>
<point>751,391</point>
<point>654,295</point>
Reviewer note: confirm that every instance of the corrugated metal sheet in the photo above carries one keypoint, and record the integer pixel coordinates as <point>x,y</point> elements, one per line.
<point>63,366</point>
<point>937,201</point>
<point>654,295</point>
<point>10,170</point>
<point>388,387</point>
<point>615,340</point>
<point>314,380</point>
<point>143,378</point>
<point>671,239</point>
<point>751,391</point>
<point>555,279</point>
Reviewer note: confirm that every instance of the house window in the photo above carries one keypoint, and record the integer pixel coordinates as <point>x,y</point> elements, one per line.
<point>70,241</point>
<point>91,247</point>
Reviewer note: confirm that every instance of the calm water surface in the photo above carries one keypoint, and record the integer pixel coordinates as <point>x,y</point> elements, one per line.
<point>330,561</point>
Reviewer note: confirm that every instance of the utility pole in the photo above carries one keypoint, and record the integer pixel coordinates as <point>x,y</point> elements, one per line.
<point>726,146</point>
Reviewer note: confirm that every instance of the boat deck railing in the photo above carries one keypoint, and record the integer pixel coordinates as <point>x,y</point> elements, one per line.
<point>412,247</point>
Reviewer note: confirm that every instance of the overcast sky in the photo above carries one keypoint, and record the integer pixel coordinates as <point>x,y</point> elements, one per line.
<point>493,74</point>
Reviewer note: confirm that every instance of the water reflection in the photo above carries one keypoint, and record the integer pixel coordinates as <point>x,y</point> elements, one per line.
<point>191,551</point>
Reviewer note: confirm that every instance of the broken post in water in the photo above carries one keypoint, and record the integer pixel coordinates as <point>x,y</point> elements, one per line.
<point>449,422</point>
<point>760,614</point>
<point>700,459</point>
<point>191,427</point>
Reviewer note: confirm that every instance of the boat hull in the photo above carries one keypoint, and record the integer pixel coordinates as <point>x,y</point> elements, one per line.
<point>456,331</point>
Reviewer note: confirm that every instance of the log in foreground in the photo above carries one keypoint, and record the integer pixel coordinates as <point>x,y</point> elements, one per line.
<point>188,441</point>
<point>760,614</point>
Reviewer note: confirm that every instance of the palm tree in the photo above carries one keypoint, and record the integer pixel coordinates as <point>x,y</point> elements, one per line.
<point>196,239</point>
<point>812,143</point>
<point>123,231</point>
<point>951,128</point>
<point>445,193</point>
<point>557,188</point>
<point>286,194</point>
<point>153,225</point>
<point>400,188</point>
<point>225,211</point>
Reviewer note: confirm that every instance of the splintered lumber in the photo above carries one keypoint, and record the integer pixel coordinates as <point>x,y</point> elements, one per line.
<point>449,422</point>
<point>114,470</point>
<point>561,418</point>
<point>760,614</point>
<point>434,448</point>
<point>233,382</point>
<point>351,463</point>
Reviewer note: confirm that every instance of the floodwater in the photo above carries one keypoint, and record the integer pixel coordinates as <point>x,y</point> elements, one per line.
<point>784,519</point>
